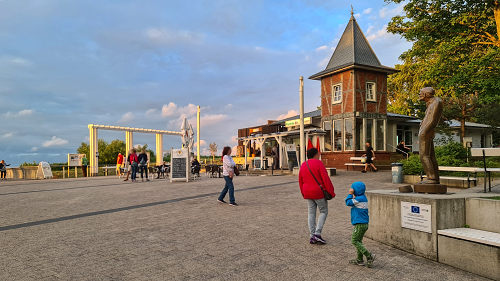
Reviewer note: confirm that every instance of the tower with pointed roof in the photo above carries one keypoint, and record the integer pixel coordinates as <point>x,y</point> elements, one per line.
<point>353,97</point>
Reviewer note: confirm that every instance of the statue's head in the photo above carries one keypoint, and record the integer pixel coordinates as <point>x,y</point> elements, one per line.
<point>426,93</point>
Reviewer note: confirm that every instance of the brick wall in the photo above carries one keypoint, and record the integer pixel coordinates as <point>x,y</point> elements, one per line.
<point>338,159</point>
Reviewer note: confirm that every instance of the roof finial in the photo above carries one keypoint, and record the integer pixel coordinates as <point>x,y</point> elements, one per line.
<point>352,11</point>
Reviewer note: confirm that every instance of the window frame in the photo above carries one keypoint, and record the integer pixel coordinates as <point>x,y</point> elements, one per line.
<point>374,96</point>
<point>333,93</point>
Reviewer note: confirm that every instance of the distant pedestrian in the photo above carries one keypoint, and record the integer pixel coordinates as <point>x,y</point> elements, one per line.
<point>359,218</point>
<point>3,169</point>
<point>313,181</point>
<point>276,155</point>
<point>119,164</point>
<point>85,163</point>
<point>143,164</point>
<point>228,173</point>
<point>134,163</point>
<point>129,166</point>
<point>370,156</point>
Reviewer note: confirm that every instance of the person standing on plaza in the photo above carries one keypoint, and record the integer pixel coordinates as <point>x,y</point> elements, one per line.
<point>228,173</point>
<point>3,169</point>
<point>119,164</point>
<point>313,182</point>
<point>370,156</point>
<point>359,218</point>
<point>85,163</point>
<point>134,161</point>
<point>143,164</point>
<point>129,166</point>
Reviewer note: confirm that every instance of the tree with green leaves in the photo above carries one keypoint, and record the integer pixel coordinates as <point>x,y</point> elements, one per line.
<point>456,50</point>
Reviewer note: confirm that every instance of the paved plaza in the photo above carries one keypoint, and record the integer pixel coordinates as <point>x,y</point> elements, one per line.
<point>106,229</point>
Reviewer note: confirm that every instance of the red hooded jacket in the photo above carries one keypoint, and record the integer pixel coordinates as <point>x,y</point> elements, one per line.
<point>308,186</point>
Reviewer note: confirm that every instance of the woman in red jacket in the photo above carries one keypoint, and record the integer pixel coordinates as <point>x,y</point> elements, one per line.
<point>313,194</point>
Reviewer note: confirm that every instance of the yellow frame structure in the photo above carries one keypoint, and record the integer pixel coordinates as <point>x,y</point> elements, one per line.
<point>129,142</point>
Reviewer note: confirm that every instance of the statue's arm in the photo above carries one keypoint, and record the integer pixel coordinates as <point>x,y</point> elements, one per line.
<point>432,117</point>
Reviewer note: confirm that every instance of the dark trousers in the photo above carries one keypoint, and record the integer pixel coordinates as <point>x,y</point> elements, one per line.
<point>228,187</point>
<point>134,171</point>
<point>3,174</point>
<point>143,168</point>
<point>84,170</point>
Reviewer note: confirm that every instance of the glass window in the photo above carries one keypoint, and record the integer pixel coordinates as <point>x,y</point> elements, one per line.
<point>337,135</point>
<point>348,134</point>
<point>359,134</point>
<point>327,126</point>
<point>369,131</point>
<point>380,135</point>
<point>337,93</point>
<point>370,91</point>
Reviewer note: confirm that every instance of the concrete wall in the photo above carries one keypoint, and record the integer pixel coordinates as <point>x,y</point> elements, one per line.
<point>385,220</point>
<point>483,214</point>
<point>28,172</point>
<point>470,256</point>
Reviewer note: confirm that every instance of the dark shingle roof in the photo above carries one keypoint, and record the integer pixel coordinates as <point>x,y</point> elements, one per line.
<point>315,113</point>
<point>352,49</point>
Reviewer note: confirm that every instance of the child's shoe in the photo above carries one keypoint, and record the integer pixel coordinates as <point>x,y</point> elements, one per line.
<point>312,240</point>
<point>357,262</point>
<point>369,261</point>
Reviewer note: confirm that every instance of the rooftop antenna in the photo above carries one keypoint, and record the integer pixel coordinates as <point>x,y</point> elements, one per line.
<point>352,11</point>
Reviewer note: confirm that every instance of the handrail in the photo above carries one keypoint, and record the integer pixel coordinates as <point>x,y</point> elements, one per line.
<point>397,149</point>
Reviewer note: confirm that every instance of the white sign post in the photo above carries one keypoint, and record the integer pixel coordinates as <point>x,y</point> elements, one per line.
<point>416,216</point>
<point>75,160</point>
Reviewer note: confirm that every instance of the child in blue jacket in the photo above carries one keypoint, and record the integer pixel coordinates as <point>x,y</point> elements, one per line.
<point>359,218</point>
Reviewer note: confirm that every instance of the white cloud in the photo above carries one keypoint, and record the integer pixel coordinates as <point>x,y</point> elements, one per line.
<point>7,135</point>
<point>389,13</point>
<point>212,119</point>
<point>321,48</point>
<point>164,36</point>
<point>15,61</point>
<point>127,117</point>
<point>203,143</point>
<point>151,112</point>
<point>289,114</point>
<point>168,109</point>
<point>54,141</point>
<point>34,148</point>
<point>367,11</point>
<point>381,33</point>
<point>21,113</point>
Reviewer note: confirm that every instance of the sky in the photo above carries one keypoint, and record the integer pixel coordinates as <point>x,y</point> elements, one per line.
<point>149,63</point>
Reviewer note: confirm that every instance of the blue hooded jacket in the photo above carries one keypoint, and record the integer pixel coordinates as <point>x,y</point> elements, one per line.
<point>359,205</point>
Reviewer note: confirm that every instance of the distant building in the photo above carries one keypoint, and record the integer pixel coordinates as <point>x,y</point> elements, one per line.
<point>353,112</point>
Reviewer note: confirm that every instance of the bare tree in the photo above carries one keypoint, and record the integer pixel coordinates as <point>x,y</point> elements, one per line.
<point>213,150</point>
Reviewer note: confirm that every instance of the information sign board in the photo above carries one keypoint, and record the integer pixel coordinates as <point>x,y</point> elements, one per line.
<point>416,216</point>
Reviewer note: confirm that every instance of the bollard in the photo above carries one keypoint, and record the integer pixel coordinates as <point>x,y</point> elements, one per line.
<point>64,172</point>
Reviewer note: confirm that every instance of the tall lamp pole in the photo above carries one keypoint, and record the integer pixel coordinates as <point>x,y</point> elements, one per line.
<point>302,137</point>
<point>198,134</point>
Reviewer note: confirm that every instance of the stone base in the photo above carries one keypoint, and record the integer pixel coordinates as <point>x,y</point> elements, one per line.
<point>430,188</point>
<point>405,189</point>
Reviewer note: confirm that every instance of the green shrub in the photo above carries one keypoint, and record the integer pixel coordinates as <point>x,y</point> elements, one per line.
<point>412,165</point>
<point>453,149</point>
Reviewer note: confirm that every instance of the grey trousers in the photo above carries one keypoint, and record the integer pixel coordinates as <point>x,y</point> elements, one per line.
<point>322,205</point>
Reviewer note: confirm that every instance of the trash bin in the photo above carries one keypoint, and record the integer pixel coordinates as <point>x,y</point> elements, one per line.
<point>397,172</point>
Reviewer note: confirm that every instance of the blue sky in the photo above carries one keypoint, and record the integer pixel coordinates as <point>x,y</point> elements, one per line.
<point>65,64</point>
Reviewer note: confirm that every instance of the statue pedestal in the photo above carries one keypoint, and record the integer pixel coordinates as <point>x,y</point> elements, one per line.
<point>431,188</point>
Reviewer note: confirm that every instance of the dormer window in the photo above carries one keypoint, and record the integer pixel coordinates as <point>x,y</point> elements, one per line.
<point>337,93</point>
<point>371,91</point>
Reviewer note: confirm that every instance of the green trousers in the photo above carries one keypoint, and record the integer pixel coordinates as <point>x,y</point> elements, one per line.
<point>357,240</point>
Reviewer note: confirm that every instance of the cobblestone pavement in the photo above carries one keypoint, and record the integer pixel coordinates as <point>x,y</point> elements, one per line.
<point>105,229</point>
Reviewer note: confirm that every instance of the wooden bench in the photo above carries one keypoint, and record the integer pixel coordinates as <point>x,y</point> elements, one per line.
<point>355,164</point>
<point>467,170</point>
<point>484,152</point>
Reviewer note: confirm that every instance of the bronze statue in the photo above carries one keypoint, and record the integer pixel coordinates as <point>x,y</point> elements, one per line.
<point>426,134</point>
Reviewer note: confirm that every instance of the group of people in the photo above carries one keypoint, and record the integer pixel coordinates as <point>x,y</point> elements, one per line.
<point>317,188</point>
<point>136,164</point>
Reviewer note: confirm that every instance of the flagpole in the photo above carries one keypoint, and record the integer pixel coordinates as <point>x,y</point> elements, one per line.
<point>302,137</point>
